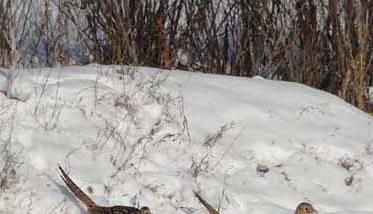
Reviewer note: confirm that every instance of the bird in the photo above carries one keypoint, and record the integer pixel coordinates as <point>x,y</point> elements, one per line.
<point>302,208</point>
<point>92,207</point>
<point>209,208</point>
<point>305,208</point>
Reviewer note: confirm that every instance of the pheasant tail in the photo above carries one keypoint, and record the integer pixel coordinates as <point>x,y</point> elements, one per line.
<point>206,204</point>
<point>87,201</point>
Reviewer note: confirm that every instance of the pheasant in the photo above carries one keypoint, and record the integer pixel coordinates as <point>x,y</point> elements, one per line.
<point>302,208</point>
<point>206,204</point>
<point>92,207</point>
<point>305,208</point>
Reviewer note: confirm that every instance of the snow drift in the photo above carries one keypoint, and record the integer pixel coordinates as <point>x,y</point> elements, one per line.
<point>140,136</point>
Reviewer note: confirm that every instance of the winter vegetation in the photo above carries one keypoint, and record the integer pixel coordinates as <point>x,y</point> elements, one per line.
<point>254,105</point>
<point>326,44</point>
<point>148,137</point>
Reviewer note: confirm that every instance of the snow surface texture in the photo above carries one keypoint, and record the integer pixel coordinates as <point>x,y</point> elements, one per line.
<point>141,136</point>
<point>3,81</point>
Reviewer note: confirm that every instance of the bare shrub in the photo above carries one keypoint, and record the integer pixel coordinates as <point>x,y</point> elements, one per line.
<point>211,139</point>
<point>197,167</point>
<point>349,163</point>
<point>124,135</point>
<point>10,154</point>
<point>124,101</point>
<point>324,44</point>
<point>47,107</point>
<point>303,41</point>
<point>8,175</point>
<point>204,164</point>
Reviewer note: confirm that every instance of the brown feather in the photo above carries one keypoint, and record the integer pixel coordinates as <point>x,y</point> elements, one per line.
<point>211,209</point>
<point>87,201</point>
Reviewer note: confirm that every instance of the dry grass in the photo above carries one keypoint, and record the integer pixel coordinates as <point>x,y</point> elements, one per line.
<point>324,44</point>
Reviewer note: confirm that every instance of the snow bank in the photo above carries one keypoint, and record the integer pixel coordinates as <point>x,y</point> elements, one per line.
<point>140,136</point>
<point>3,81</point>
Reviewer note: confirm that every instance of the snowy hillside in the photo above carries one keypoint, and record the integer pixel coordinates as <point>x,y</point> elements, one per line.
<point>146,137</point>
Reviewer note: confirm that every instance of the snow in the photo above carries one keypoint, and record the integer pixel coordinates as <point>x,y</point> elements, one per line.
<point>148,137</point>
<point>3,81</point>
